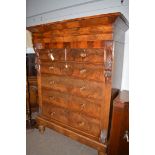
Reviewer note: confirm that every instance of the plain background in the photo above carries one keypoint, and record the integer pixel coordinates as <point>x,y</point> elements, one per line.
<point>13,77</point>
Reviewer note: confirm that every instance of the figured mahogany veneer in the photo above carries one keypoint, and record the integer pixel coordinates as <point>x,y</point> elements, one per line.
<point>77,63</point>
<point>75,70</point>
<point>84,88</point>
<point>87,106</point>
<point>75,55</point>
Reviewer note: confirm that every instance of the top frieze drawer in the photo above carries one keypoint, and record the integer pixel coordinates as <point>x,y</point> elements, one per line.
<point>78,55</point>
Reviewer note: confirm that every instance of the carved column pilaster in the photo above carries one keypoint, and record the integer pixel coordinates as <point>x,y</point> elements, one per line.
<point>37,61</point>
<point>107,64</point>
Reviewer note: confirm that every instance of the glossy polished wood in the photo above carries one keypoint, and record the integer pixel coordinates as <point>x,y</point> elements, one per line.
<point>87,106</point>
<point>74,63</point>
<point>118,143</point>
<point>83,88</point>
<point>75,70</point>
<point>76,55</point>
<point>101,153</point>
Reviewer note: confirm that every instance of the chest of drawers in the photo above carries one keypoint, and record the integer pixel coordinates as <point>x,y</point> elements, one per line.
<point>79,61</point>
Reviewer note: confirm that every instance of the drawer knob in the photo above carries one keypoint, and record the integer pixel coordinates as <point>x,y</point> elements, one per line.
<point>82,71</point>
<point>82,88</point>
<point>53,113</point>
<point>81,124</point>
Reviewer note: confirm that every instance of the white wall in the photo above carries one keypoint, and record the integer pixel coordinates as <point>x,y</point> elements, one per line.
<point>46,11</point>
<point>39,11</point>
<point>29,45</point>
<point>125,74</point>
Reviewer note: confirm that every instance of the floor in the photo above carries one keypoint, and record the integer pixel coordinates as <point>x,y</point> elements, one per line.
<point>53,143</point>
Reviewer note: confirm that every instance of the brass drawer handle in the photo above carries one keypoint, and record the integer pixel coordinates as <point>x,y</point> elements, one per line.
<point>81,124</point>
<point>83,71</point>
<point>83,54</point>
<point>51,97</point>
<point>53,113</point>
<point>52,82</point>
<point>51,67</point>
<point>82,88</point>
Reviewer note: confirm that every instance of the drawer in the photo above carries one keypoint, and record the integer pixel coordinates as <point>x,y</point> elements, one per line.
<point>77,70</point>
<point>56,98</point>
<point>84,123</point>
<point>86,55</point>
<point>55,112</point>
<point>51,55</point>
<point>78,55</point>
<point>89,89</point>
<point>88,108</point>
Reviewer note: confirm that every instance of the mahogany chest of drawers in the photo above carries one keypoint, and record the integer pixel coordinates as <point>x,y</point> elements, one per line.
<point>79,61</point>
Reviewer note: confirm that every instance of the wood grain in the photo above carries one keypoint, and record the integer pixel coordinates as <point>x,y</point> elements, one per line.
<point>75,70</point>
<point>72,133</point>
<point>75,88</point>
<point>120,124</point>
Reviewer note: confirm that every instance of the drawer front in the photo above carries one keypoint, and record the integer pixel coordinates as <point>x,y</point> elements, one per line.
<point>87,55</point>
<point>55,112</point>
<point>56,98</point>
<point>74,86</point>
<point>84,123</point>
<point>73,103</point>
<point>78,55</point>
<point>52,55</point>
<point>88,108</point>
<point>77,70</point>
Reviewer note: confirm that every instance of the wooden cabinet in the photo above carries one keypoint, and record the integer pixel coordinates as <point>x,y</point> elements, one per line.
<point>32,86</point>
<point>33,93</point>
<point>119,134</point>
<point>79,61</point>
<point>30,65</point>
